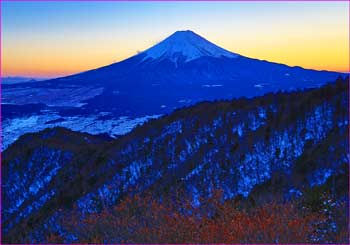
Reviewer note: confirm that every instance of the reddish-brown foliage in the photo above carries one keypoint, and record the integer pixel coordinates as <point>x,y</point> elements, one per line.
<point>145,220</point>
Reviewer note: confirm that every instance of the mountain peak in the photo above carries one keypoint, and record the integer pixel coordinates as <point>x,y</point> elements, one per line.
<point>185,31</point>
<point>186,45</point>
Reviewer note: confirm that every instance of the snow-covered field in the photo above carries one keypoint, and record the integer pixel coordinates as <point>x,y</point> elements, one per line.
<point>12,129</point>
<point>68,96</point>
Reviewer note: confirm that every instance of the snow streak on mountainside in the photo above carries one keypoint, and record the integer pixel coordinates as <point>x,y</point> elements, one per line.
<point>185,45</point>
<point>299,139</point>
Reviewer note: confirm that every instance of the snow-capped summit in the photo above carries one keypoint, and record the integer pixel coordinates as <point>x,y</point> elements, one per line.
<point>186,45</point>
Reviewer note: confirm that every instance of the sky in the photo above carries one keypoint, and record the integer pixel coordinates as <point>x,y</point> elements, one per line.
<point>50,39</point>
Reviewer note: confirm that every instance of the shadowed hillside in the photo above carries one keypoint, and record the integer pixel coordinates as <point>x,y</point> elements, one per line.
<point>282,151</point>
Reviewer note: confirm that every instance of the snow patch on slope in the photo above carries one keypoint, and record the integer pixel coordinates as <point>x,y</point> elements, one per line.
<point>188,45</point>
<point>14,128</point>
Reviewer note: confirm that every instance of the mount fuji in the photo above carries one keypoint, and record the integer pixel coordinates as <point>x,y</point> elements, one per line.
<point>185,46</point>
<point>181,70</point>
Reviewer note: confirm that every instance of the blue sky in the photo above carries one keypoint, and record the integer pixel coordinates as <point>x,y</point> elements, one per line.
<point>58,38</point>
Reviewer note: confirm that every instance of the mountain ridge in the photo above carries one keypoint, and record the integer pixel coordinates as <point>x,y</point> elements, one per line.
<point>245,141</point>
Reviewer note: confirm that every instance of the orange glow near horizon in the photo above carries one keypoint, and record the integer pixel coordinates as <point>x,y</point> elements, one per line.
<point>49,64</point>
<point>60,65</point>
<point>83,36</point>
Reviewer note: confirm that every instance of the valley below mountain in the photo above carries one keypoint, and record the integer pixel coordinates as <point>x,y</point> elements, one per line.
<point>277,164</point>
